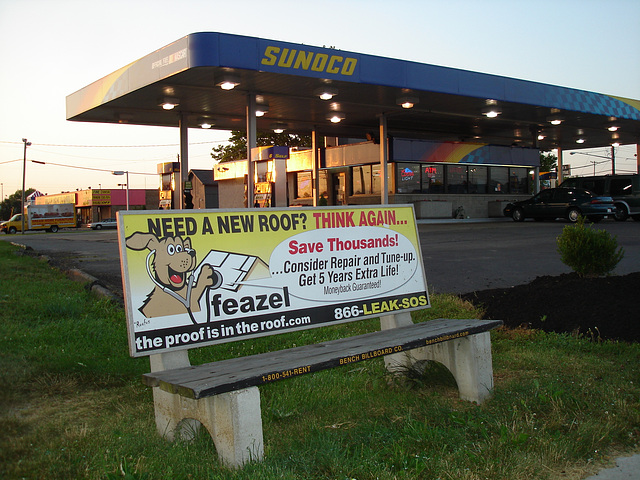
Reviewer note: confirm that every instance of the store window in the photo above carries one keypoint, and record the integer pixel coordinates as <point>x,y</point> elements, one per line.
<point>478,179</point>
<point>433,178</point>
<point>408,177</point>
<point>304,185</point>
<point>358,181</point>
<point>518,182</point>
<point>361,179</point>
<point>457,179</point>
<point>323,184</point>
<point>375,179</point>
<point>498,179</point>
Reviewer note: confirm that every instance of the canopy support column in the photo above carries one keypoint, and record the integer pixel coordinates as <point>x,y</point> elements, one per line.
<point>560,163</point>
<point>316,168</point>
<point>384,161</point>
<point>251,144</point>
<point>184,162</point>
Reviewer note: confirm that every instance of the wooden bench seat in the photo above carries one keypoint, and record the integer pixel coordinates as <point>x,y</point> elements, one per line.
<point>234,374</point>
<point>224,397</point>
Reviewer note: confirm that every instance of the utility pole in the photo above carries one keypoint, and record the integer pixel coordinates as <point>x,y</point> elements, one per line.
<point>613,160</point>
<point>24,177</point>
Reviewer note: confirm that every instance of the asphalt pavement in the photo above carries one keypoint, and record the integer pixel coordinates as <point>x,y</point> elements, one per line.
<point>459,256</point>
<point>626,468</point>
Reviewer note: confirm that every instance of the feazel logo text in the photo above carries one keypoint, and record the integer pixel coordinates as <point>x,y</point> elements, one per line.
<point>307,60</point>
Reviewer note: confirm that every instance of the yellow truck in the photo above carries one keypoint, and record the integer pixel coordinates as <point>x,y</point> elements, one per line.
<point>42,217</point>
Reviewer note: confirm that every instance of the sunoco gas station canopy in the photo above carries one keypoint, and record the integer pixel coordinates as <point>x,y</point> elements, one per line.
<point>448,104</point>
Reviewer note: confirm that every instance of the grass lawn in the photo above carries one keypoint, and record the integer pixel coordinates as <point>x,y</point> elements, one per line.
<point>72,405</point>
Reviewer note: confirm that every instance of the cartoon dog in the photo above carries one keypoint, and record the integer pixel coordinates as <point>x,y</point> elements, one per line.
<point>171,271</point>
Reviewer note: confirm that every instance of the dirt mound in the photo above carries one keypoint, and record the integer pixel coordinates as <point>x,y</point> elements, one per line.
<point>606,307</point>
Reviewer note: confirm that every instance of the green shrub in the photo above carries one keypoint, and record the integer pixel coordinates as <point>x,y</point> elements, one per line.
<point>588,251</point>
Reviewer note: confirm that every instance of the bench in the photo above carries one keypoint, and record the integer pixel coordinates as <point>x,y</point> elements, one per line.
<point>223,396</point>
<point>205,277</point>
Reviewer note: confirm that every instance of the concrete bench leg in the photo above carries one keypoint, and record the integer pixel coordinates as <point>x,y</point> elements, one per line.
<point>396,362</point>
<point>232,419</point>
<point>469,360</point>
<point>167,404</point>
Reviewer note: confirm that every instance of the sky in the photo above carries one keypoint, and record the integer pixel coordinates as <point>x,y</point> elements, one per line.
<point>52,48</point>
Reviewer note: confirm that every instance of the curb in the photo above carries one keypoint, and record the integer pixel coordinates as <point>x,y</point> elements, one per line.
<point>93,284</point>
<point>450,221</point>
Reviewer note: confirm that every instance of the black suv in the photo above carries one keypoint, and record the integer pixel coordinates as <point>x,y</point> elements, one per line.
<point>624,189</point>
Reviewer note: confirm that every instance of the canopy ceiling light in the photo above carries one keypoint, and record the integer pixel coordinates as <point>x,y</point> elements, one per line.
<point>228,82</point>
<point>261,109</point>
<point>206,122</point>
<point>491,110</point>
<point>555,118</point>
<point>326,93</point>
<point>335,117</point>
<point>407,102</point>
<point>169,103</point>
<point>278,127</point>
<point>613,128</point>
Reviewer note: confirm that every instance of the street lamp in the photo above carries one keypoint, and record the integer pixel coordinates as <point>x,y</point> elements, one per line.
<point>120,172</point>
<point>24,177</point>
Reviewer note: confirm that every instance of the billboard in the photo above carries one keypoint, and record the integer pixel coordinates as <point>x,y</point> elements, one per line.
<point>200,277</point>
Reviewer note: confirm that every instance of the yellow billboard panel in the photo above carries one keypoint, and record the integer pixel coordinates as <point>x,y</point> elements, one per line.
<point>199,277</point>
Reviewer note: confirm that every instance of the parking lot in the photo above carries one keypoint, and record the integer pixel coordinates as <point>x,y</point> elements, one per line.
<point>459,256</point>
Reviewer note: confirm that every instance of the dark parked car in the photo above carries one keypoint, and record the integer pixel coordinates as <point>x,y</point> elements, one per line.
<point>624,189</point>
<point>107,223</point>
<point>567,203</point>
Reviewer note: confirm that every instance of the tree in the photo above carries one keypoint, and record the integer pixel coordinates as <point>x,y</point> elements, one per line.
<point>548,162</point>
<point>237,148</point>
<point>13,203</point>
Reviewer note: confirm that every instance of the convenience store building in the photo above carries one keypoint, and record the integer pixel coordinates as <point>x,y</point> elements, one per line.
<point>93,205</point>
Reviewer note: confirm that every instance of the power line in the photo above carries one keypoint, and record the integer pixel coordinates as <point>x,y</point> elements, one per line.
<point>157,158</point>
<point>87,168</point>
<point>591,164</point>
<point>115,146</point>
<point>67,155</point>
